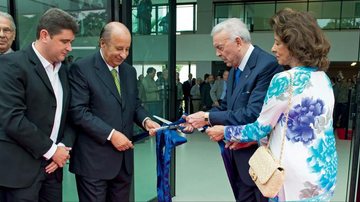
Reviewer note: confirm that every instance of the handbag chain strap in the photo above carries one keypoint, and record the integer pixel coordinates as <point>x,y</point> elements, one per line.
<point>286,120</point>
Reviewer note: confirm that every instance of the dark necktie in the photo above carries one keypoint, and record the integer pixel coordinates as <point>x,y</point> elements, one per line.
<point>237,76</point>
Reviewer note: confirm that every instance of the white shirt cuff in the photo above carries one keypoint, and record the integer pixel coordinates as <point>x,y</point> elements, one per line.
<point>110,135</point>
<point>50,152</point>
<point>143,122</point>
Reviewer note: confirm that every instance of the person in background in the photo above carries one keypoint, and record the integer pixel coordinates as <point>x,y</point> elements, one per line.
<point>251,71</point>
<point>104,107</point>
<point>7,33</point>
<point>186,86</point>
<point>144,8</point>
<point>7,37</point>
<point>35,137</point>
<point>152,91</point>
<point>141,88</point>
<point>179,96</point>
<point>304,94</point>
<point>218,91</point>
<point>196,95</point>
<point>341,92</point>
<point>206,102</point>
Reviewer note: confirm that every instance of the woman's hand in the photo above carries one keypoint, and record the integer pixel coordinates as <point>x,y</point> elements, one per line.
<point>216,133</point>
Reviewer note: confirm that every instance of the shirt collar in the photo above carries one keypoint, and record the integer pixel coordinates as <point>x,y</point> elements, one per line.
<point>8,51</point>
<point>45,63</point>
<point>246,57</point>
<point>110,67</point>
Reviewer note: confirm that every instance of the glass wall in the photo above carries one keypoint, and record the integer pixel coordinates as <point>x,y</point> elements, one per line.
<point>326,13</point>
<point>225,11</point>
<point>90,15</point>
<point>350,15</point>
<point>150,27</point>
<point>3,6</point>
<point>258,15</point>
<point>331,15</point>
<point>300,6</point>
<point>153,19</point>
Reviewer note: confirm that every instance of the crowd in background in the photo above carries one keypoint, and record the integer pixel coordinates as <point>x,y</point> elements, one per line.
<point>193,95</point>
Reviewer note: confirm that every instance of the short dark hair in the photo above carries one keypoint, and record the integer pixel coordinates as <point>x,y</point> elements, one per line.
<point>206,76</point>
<point>55,20</point>
<point>150,70</point>
<point>303,37</point>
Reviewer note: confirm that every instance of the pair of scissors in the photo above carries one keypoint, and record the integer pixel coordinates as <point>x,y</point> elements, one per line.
<point>169,125</point>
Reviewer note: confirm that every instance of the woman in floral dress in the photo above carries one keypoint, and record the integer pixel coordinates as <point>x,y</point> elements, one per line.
<point>309,156</point>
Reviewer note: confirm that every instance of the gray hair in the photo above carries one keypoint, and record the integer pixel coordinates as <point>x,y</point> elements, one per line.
<point>10,18</point>
<point>234,27</point>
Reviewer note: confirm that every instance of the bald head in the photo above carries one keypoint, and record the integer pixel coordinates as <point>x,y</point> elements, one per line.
<point>115,41</point>
<point>114,28</point>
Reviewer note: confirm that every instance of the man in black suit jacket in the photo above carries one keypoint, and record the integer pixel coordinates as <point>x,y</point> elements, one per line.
<point>186,86</point>
<point>34,97</point>
<point>104,106</point>
<point>244,99</point>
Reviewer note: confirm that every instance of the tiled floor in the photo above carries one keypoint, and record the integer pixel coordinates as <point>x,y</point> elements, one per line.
<point>200,174</point>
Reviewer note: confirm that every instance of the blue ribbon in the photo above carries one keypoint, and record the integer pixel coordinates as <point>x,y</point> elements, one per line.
<point>166,141</point>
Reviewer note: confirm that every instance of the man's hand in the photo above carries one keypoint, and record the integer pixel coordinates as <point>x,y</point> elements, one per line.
<point>61,155</point>
<point>216,133</point>
<point>51,167</point>
<point>151,126</point>
<point>120,141</point>
<point>187,126</point>
<point>239,145</point>
<point>198,119</point>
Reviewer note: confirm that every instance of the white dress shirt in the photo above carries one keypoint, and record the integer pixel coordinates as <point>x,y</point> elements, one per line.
<point>53,75</point>
<point>246,57</point>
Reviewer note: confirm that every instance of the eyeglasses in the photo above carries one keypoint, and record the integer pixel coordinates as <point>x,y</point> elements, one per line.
<point>6,30</point>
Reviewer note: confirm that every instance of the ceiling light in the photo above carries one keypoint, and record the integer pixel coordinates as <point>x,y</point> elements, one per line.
<point>353,64</point>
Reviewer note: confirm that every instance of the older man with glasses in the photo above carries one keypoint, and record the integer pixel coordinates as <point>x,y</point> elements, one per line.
<point>7,32</point>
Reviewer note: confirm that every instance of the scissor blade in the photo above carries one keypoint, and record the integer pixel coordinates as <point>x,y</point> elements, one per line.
<point>162,119</point>
<point>166,127</point>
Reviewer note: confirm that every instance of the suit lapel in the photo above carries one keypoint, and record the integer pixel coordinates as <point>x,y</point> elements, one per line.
<point>230,90</point>
<point>65,86</point>
<point>244,76</point>
<point>40,70</point>
<point>105,76</point>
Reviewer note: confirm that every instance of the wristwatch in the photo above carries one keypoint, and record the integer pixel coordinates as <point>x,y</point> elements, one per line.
<point>206,117</point>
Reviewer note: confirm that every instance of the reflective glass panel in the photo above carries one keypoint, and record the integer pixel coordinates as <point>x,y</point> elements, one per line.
<point>300,6</point>
<point>90,15</point>
<point>185,17</point>
<point>326,13</point>
<point>3,5</point>
<point>258,15</point>
<point>150,59</point>
<point>225,11</point>
<point>350,18</point>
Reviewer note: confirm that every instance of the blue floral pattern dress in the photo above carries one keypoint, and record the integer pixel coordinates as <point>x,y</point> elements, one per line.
<point>309,156</point>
